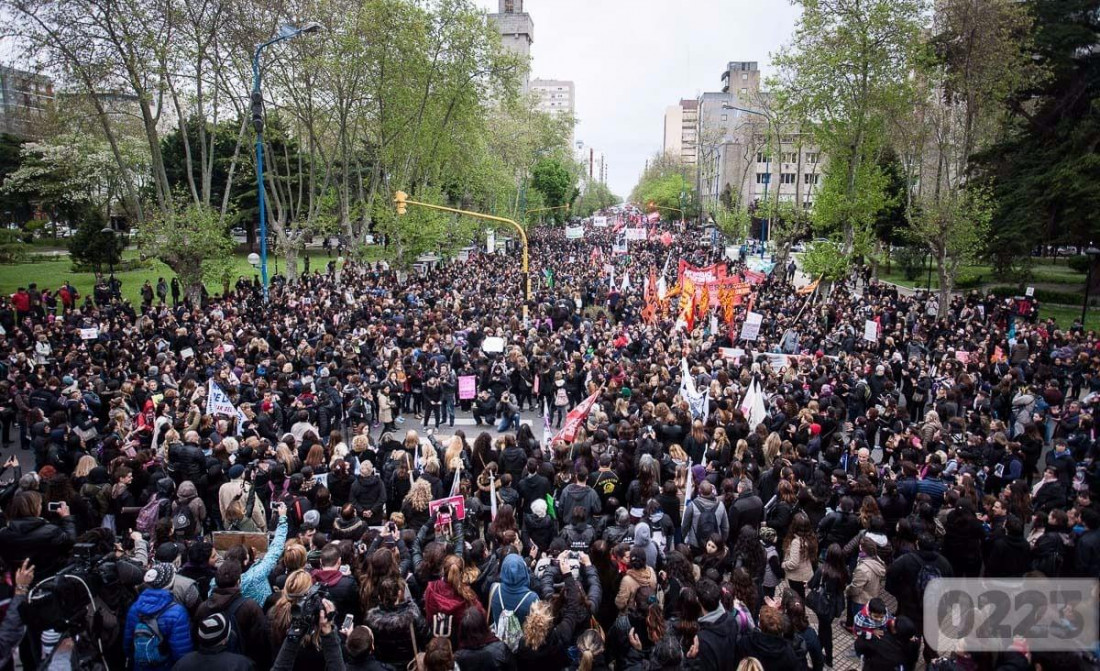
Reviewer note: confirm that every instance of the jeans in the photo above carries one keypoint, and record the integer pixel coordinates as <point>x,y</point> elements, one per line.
<point>449,411</point>
<point>433,409</point>
<point>558,414</point>
<point>508,423</point>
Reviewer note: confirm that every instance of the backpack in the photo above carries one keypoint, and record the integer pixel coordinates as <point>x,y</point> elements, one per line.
<point>148,515</point>
<point>707,524</point>
<point>150,648</point>
<point>508,628</point>
<point>235,642</point>
<point>928,572</point>
<point>561,398</point>
<point>183,514</point>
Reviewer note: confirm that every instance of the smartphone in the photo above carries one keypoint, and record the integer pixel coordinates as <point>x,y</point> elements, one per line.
<point>349,622</point>
<point>54,506</point>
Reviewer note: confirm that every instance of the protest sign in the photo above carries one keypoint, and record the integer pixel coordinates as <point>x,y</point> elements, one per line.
<point>751,329</point>
<point>467,387</point>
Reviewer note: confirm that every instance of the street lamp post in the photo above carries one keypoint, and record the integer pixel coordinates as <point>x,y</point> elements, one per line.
<point>110,257</point>
<point>766,225</point>
<point>1092,252</point>
<point>285,33</point>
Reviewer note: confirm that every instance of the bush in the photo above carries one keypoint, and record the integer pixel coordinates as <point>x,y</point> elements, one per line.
<point>966,280</point>
<point>1044,295</point>
<point>123,266</point>
<point>912,262</point>
<point>1079,263</point>
<point>12,247</point>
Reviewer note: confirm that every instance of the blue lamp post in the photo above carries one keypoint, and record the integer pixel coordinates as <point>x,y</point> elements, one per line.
<point>285,33</point>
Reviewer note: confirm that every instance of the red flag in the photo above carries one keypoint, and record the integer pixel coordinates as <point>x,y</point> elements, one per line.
<point>575,417</point>
<point>666,238</point>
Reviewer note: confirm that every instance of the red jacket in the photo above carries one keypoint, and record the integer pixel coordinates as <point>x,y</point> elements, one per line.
<point>21,300</point>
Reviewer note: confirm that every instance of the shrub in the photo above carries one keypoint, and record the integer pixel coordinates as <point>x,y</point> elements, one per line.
<point>1079,263</point>
<point>968,280</point>
<point>912,262</point>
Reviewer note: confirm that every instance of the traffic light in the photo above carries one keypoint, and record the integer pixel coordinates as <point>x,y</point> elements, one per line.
<point>399,199</point>
<point>258,111</point>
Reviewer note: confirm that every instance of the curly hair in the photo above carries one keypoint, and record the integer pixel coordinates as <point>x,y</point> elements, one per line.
<point>537,626</point>
<point>420,495</point>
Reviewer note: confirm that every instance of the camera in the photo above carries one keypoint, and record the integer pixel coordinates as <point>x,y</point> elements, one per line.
<point>305,614</point>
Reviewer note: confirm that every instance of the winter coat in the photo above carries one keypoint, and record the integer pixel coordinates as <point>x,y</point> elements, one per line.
<point>693,514</point>
<point>219,658</point>
<point>171,621</point>
<point>440,597</point>
<point>369,494</point>
<point>747,510</point>
<point>718,636</point>
<point>886,653</point>
<point>255,639</point>
<point>578,495</point>
<point>385,409</point>
<point>553,654</point>
<point>513,592</point>
<point>188,496</point>
<point>632,581</point>
<point>866,580</point>
<point>797,564</point>
<point>391,625</point>
<point>47,545</point>
<point>902,575</point>
<point>839,528</point>
<point>540,530</point>
<point>489,657</point>
<point>773,652</point>
<point>342,591</point>
<point>254,583</point>
<point>235,489</point>
<point>1007,557</point>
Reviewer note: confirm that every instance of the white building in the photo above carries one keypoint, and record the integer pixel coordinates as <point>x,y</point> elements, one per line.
<point>517,30</point>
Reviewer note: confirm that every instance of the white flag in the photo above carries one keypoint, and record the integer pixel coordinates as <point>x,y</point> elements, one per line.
<point>753,406</point>
<point>698,402</point>
<point>217,401</point>
<point>626,281</point>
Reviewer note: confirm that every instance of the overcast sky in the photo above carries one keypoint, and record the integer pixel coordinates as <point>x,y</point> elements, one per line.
<point>630,59</point>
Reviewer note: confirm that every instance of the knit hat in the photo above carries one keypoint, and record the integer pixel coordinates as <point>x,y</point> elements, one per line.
<point>213,631</point>
<point>767,534</point>
<point>538,507</point>
<point>236,471</point>
<point>167,552</point>
<point>160,576</point>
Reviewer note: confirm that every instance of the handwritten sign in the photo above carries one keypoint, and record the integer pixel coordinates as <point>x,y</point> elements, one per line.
<point>187,353</point>
<point>574,232</point>
<point>467,387</point>
<point>492,344</point>
<point>599,222</point>
<point>751,329</point>
<point>635,234</point>
<point>89,334</point>
<point>870,330</point>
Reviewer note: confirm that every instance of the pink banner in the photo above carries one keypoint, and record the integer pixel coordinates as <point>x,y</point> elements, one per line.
<point>467,387</point>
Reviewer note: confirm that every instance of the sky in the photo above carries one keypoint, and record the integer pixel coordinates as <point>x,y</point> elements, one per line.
<point>631,59</point>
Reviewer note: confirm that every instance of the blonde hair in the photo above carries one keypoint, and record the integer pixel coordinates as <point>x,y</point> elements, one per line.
<point>677,452</point>
<point>297,584</point>
<point>454,451</point>
<point>85,466</point>
<point>230,444</point>
<point>771,447</point>
<point>741,449</point>
<point>420,495</point>
<point>589,644</point>
<point>750,664</point>
<point>360,443</point>
<point>537,626</point>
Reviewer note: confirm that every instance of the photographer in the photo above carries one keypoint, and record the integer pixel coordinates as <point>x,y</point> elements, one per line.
<point>11,628</point>
<point>28,536</point>
<point>315,627</point>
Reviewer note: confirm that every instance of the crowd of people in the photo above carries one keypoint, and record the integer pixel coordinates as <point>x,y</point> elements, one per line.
<point>659,537</point>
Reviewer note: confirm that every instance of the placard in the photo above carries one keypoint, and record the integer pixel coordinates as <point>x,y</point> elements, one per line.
<point>458,505</point>
<point>751,329</point>
<point>467,387</point>
<point>492,344</point>
<point>870,330</point>
<point>574,232</point>
<point>186,353</point>
<point>1030,292</point>
<point>89,334</point>
<point>636,234</point>
<point>224,540</point>
<point>599,222</point>
<point>608,269</point>
<point>733,353</point>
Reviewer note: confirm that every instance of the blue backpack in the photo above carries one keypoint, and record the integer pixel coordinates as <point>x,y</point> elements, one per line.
<point>150,648</point>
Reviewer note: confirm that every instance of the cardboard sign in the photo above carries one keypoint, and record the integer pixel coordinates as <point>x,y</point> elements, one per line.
<point>574,232</point>
<point>733,353</point>
<point>224,540</point>
<point>1030,292</point>
<point>636,234</point>
<point>751,329</point>
<point>186,353</point>
<point>89,334</point>
<point>458,505</point>
<point>870,330</point>
<point>492,344</point>
<point>599,222</point>
<point>467,387</point>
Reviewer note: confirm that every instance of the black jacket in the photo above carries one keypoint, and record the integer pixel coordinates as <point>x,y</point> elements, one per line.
<point>206,660</point>
<point>489,657</point>
<point>513,460</point>
<point>187,462</point>
<point>255,638</point>
<point>887,653</point>
<point>717,640</point>
<point>838,527</point>
<point>1007,557</point>
<point>902,580</point>
<point>390,625</point>
<point>47,545</point>
<point>540,530</point>
<point>532,488</point>
<point>747,510</point>
<point>773,652</point>
<point>369,494</point>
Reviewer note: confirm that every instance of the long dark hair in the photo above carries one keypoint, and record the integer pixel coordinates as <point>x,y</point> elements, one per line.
<point>835,566</point>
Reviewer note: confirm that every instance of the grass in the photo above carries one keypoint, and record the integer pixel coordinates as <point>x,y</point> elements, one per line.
<point>52,274</point>
<point>1065,314</point>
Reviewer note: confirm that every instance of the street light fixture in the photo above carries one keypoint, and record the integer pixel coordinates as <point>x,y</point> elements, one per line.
<point>285,33</point>
<point>767,169</point>
<point>1092,252</point>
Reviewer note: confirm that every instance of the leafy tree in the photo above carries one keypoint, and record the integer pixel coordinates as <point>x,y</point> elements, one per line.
<point>190,241</point>
<point>555,182</point>
<point>596,196</point>
<point>90,246</point>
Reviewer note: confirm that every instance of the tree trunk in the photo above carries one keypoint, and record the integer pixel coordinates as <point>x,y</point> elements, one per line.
<point>947,283</point>
<point>291,257</point>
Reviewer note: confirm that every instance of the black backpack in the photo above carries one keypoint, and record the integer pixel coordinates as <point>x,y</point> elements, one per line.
<point>236,639</point>
<point>707,525</point>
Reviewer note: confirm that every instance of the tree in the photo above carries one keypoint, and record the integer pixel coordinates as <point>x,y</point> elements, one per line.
<point>90,246</point>
<point>847,71</point>
<point>1045,171</point>
<point>596,196</point>
<point>555,182</point>
<point>190,241</point>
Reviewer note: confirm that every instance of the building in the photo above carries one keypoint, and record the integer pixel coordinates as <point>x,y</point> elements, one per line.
<point>517,31</point>
<point>681,130</point>
<point>593,161</point>
<point>745,154</point>
<point>556,97</point>
<point>24,97</point>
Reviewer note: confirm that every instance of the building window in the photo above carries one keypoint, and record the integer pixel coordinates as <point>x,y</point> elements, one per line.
<point>761,157</point>
<point>790,157</point>
<point>786,178</point>
<point>744,76</point>
<point>763,178</point>
<point>811,178</point>
<point>811,157</point>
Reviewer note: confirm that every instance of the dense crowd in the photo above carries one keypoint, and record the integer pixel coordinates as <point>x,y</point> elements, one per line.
<point>659,537</point>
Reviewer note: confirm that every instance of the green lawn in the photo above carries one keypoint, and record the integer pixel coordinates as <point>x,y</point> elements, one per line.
<point>51,274</point>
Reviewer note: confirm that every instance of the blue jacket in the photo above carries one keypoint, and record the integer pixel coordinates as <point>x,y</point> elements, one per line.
<point>172,622</point>
<point>254,584</point>
<point>513,590</point>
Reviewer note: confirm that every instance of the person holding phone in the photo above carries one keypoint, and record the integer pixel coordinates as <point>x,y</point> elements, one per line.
<point>29,536</point>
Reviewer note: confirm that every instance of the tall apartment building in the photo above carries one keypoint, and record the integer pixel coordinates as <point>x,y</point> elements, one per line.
<point>682,130</point>
<point>517,30</point>
<point>24,96</point>
<point>556,97</point>
<point>740,149</point>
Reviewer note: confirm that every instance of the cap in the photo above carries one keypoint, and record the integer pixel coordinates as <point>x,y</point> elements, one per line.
<point>167,552</point>
<point>160,576</point>
<point>235,471</point>
<point>213,630</point>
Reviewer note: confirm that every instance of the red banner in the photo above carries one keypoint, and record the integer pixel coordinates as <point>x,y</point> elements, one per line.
<point>708,276</point>
<point>754,277</point>
<point>575,417</point>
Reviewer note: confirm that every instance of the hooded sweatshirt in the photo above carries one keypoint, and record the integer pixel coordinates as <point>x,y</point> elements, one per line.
<point>513,590</point>
<point>642,540</point>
